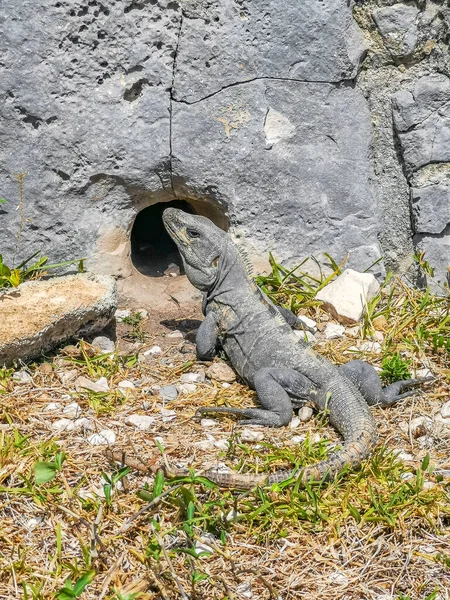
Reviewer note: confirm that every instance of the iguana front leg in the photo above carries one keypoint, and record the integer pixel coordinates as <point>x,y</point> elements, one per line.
<point>366,379</point>
<point>207,337</point>
<point>273,387</point>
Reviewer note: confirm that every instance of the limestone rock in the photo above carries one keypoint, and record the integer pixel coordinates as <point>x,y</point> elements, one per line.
<point>106,437</point>
<point>39,315</point>
<point>82,384</point>
<point>346,297</point>
<point>142,422</point>
<point>398,26</point>
<point>445,410</point>
<point>72,410</point>
<point>168,392</point>
<point>305,413</point>
<point>63,425</point>
<point>251,435</point>
<point>220,371</point>
<point>333,331</point>
<point>193,377</point>
<point>104,344</point>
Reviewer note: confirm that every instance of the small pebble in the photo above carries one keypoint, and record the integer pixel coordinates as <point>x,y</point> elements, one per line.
<point>423,373</point>
<point>142,313</point>
<point>146,405</point>
<point>220,371</point>
<point>168,415</point>
<point>402,455</point>
<point>203,544</point>
<point>104,344</point>
<point>121,314</point>
<point>193,377</point>
<point>153,350</point>
<point>338,577</point>
<point>295,422</point>
<point>52,406</point>
<point>207,444</point>
<point>168,393</point>
<point>250,435</point>
<point>297,439</point>
<point>188,348</point>
<point>83,383</point>
<point>445,410</point>
<point>368,346</point>
<point>222,445</point>
<point>72,410</point>
<point>308,323</point>
<point>176,334</point>
<point>226,385</point>
<point>104,437</point>
<point>84,424</point>
<point>244,590</point>
<point>63,425</point>
<point>22,377</point>
<point>352,331</point>
<point>33,523</point>
<point>333,331</point>
<point>141,422</point>
<point>67,376</point>
<point>305,413</point>
<point>316,438</point>
<point>172,270</point>
<point>379,336</point>
<point>208,422</point>
<point>125,386</point>
<point>186,388</point>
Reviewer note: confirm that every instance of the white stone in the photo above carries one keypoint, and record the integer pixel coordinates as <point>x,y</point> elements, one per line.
<point>22,377</point>
<point>67,376</point>
<point>84,424</point>
<point>316,438</point>
<point>445,410</point>
<point>379,336</point>
<point>338,577</point>
<point>193,377</point>
<point>368,346</point>
<point>103,438</point>
<point>402,455</point>
<point>142,313</point>
<point>168,415</point>
<point>186,388</point>
<point>168,393</point>
<point>121,314</point>
<point>295,422</point>
<point>142,422</point>
<point>308,323</point>
<point>207,444</point>
<point>83,383</point>
<point>72,410</point>
<point>297,439</point>
<point>52,406</point>
<point>423,373</point>
<point>347,296</point>
<point>244,590</point>
<point>251,435</point>
<point>63,425</point>
<point>226,385</point>
<point>204,544</point>
<point>222,444</point>
<point>305,413</point>
<point>334,331</point>
<point>176,334</point>
<point>353,331</point>
<point>153,350</point>
<point>33,523</point>
<point>104,344</point>
<point>208,422</point>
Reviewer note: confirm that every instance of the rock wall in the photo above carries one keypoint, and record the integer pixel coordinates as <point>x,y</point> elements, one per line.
<point>275,117</point>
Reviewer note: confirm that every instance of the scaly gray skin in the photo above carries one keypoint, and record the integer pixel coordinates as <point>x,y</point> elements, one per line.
<point>283,369</point>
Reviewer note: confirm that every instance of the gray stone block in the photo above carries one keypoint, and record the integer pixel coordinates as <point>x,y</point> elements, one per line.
<point>398,26</point>
<point>290,163</point>
<point>225,42</point>
<point>431,208</point>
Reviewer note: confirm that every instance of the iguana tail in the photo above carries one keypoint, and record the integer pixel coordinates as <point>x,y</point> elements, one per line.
<point>350,455</point>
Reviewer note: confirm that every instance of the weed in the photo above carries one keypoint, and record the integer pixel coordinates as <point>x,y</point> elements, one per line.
<point>135,321</point>
<point>395,368</point>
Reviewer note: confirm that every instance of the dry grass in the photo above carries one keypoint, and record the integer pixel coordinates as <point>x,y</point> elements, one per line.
<point>381,532</point>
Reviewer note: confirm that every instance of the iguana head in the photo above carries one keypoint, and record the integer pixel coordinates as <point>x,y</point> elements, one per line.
<point>201,244</point>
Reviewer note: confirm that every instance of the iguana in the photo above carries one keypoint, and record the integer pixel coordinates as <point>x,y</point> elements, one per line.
<point>282,368</point>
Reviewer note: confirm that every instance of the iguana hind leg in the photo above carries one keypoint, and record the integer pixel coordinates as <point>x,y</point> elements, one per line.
<point>366,379</point>
<point>273,387</point>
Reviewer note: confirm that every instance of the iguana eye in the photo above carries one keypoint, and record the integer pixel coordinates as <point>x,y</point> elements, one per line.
<point>192,233</point>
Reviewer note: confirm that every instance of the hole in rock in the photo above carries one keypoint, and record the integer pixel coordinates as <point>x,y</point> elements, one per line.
<point>152,249</point>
